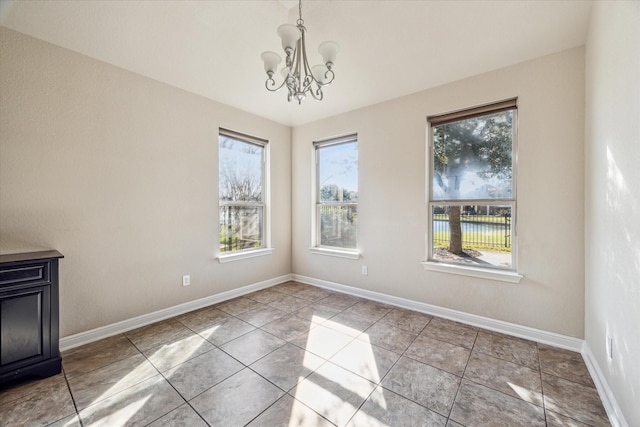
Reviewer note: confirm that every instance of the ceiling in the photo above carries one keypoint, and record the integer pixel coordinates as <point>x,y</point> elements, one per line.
<point>387,48</point>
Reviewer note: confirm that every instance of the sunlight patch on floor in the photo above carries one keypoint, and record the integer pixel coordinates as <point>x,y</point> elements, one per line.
<point>360,359</point>
<point>526,394</point>
<point>122,415</point>
<point>175,353</point>
<point>333,391</point>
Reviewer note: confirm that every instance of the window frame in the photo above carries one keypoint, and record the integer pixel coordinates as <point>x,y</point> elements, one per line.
<point>265,248</point>
<point>317,248</point>
<point>490,272</point>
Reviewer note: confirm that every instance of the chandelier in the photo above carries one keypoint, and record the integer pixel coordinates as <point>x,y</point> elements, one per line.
<point>299,78</point>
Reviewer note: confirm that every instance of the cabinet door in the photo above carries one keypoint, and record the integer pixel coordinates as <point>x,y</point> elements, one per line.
<point>24,320</point>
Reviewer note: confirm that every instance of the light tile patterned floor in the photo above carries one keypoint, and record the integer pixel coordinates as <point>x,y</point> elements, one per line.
<point>298,355</point>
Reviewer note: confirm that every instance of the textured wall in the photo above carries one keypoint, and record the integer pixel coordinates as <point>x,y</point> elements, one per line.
<point>612,203</point>
<point>119,173</point>
<point>392,212</point>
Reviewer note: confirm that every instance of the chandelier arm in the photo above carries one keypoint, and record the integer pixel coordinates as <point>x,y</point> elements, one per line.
<point>309,79</point>
<point>297,72</point>
<point>291,85</point>
<point>317,94</point>
<point>301,55</point>
<point>308,84</point>
<point>307,69</point>
<point>273,83</point>
<point>329,75</point>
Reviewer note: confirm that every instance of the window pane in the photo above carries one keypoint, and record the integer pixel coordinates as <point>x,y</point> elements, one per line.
<point>338,172</point>
<point>474,235</point>
<point>240,228</point>
<point>240,170</point>
<point>472,158</point>
<point>338,226</point>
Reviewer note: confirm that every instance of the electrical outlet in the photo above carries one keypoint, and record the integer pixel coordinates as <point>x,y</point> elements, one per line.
<point>364,270</point>
<point>186,280</point>
<point>609,347</point>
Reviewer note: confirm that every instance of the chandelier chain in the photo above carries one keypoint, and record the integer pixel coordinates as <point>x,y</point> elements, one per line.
<point>300,20</point>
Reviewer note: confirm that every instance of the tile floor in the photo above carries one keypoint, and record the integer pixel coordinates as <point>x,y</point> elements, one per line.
<point>298,355</point>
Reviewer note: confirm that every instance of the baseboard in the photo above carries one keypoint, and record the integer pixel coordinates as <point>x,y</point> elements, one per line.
<point>537,335</point>
<point>92,335</point>
<point>606,394</point>
<point>512,329</point>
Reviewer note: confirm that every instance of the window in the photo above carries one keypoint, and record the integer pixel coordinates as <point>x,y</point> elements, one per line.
<point>241,192</point>
<point>472,193</point>
<point>337,194</point>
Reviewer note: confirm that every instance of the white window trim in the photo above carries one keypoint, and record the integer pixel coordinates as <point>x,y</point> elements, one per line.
<point>481,273</point>
<point>246,254</point>
<point>267,249</point>
<point>316,248</point>
<point>323,250</point>
<point>510,275</point>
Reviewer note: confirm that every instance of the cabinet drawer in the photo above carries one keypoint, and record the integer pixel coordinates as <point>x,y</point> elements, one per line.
<point>25,274</point>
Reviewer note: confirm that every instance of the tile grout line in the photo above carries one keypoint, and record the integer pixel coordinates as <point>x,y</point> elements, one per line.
<point>396,362</point>
<point>110,363</point>
<point>245,366</point>
<point>479,352</point>
<point>377,384</point>
<point>327,361</point>
<point>73,399</point>
<point>495,389</point>
<point>342,348</point>
<point>287,392</point>
<point>462,377</point>
<point>94,370</point>
<point>544,405</point>
<point>169,382</point>
<point>403,354</point>
<point>159,373</point>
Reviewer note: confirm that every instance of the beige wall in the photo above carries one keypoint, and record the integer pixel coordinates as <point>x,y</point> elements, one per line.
<point>119,173</point>
<point>392,214</point>
<point>612,203</point>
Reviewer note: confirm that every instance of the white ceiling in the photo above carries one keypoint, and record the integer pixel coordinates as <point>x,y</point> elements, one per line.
<point>387,48</point>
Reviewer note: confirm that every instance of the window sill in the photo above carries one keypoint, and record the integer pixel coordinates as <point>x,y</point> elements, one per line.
<point>244,255</point>
<point>336,253</point>
<point>500,275</point>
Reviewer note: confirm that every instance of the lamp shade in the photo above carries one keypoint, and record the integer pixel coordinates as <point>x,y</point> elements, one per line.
<point>329,50</point>
<point>319,72</point>
<point>271,61</point>
<point>289,35</point>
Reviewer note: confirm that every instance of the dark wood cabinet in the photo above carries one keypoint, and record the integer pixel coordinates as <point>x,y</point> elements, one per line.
<point>29,313</point>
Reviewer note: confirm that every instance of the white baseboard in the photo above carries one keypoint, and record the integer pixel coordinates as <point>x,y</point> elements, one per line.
<point>550,338</point>
<point>92,335</point>
<point>606,394</point>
